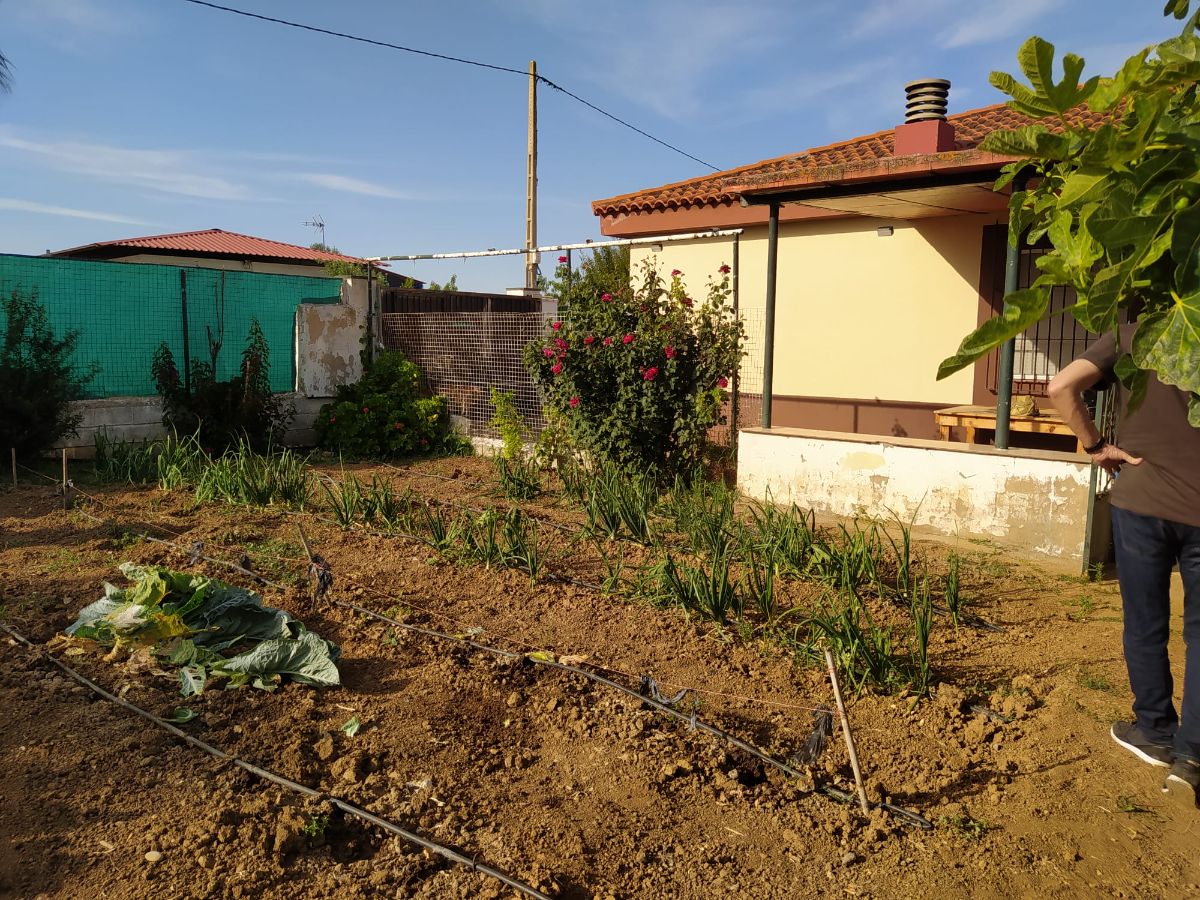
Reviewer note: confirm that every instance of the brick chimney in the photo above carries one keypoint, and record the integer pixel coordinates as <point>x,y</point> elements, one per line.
<point>925,129</point>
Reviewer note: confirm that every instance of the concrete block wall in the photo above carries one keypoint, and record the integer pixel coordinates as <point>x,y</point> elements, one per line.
<point>1034,500</point>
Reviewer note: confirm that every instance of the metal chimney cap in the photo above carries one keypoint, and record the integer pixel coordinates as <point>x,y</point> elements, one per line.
<point>942,83</point>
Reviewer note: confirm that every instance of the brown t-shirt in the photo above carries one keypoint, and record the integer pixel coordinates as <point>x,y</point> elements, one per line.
<point>1167,483</point>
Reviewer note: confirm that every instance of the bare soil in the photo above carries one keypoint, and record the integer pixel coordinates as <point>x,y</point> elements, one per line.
<point>570,786</point>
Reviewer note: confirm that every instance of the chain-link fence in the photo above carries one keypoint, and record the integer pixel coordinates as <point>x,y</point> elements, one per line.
<point>123,311</point>
<point>464,355</point>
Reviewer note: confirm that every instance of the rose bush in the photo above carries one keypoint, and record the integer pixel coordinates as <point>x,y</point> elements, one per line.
<point>385,415</point>
<point>638,374</point>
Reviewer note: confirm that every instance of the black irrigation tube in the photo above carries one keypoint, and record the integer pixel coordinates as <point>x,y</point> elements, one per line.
<point>295,786</point>
<point>904,815</point>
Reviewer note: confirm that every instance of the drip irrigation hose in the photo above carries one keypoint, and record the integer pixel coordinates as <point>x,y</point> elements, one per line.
<point>904,815</point>
<point>258,771</point>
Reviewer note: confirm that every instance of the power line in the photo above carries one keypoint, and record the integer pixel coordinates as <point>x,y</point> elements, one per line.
<point>457,59</point>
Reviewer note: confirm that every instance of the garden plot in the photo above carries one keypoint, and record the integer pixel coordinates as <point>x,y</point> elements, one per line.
<point>571,787</point>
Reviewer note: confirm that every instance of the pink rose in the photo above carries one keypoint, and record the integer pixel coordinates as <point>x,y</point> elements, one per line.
<point>547,352</point>
<point>590,339</point>
<point>574,402</point>
<point>556,368</point>
<point>650,373</point>
<point>560,343</point>
<point>628,339</point>
<point>366,410</point>
<point>722,382</point>
<point>607,298</point>
<point>607,342</point>
<point>670,351</point>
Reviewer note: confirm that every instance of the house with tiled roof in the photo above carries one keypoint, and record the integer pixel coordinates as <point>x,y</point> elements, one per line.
<point>215,248</point>
<point>890,248</point>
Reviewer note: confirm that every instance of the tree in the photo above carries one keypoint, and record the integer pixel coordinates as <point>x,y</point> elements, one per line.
<point>1119,203</point>
<point>37,380</point>
<point>340,268</point>
<point>5,75</point>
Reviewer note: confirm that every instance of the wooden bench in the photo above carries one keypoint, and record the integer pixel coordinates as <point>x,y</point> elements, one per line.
<point>975,418</point>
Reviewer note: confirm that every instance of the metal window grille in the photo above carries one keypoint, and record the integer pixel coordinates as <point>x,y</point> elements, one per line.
<point>1044,349</point>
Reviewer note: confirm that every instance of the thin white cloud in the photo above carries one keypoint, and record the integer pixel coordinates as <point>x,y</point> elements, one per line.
<point>988,23</point>
<point>46,209</point>
<point>177,172</point>
<point>889,16</point>
<point>349,185</point>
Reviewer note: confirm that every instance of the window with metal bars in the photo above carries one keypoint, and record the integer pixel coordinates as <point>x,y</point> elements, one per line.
<point>1044,349</point>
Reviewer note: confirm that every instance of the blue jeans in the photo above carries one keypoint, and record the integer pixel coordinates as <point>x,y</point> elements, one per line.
<point>1147,549</point>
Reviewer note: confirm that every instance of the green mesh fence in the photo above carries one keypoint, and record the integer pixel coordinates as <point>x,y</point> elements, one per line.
<point>123,311</point>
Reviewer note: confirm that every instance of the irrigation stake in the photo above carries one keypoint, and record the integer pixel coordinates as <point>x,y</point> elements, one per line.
<point>837,695</point>
<point>13,450</point>
<point>66,485</point>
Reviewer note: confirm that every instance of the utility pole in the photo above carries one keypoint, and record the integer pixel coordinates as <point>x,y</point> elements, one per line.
<point>531,259</point>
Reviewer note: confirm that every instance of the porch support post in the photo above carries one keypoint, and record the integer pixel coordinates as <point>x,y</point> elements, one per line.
<point>768,382</point>
<point>1004,379</point>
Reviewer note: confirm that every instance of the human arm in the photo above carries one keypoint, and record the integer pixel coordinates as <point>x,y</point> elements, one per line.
<point>1066,393</point>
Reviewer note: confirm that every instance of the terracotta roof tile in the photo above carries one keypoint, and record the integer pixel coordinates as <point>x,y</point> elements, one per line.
<point>221,243</point>
<point>970,129</point>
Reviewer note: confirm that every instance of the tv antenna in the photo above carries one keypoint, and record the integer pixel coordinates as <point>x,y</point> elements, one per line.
<point>318,223</point>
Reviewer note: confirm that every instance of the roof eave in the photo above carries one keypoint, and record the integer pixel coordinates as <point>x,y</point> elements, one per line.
<point>854,175</point>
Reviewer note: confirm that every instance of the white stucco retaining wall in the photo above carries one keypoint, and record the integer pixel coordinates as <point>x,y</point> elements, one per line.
<point>1036,500</point>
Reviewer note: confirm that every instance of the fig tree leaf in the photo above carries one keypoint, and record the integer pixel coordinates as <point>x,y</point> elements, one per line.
<point>307,659</point>
<point>180,715</point>
<point>351,726</point>
<point>1168,342</point>
<point>1021,309</point>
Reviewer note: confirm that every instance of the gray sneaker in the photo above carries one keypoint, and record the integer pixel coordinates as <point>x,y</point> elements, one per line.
<point>1131,738</point>
<point>1183,783</point>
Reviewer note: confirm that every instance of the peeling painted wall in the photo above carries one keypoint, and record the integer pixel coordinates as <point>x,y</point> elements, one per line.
<point>329,341</point>
<point>1036,500</point>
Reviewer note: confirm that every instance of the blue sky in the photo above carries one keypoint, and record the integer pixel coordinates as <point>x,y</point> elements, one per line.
<point>134,117</point>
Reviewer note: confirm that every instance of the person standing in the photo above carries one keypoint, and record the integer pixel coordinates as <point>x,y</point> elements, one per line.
<point>1155,501</point>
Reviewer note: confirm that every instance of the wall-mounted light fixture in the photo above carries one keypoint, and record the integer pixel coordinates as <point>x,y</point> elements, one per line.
<point>885,231</point>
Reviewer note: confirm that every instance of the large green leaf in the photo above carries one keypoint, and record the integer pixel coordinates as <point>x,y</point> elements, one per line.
<point>1177,8</point>
<point>1168,342</point>
<point>1194,410</point>
<point>1185,250</point>
<point>1021,309</point>
<point>1081,186</point>
<point>309,660</point>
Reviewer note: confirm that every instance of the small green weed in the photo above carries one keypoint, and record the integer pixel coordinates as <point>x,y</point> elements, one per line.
<point>316,825</point>
<point>965,825</point>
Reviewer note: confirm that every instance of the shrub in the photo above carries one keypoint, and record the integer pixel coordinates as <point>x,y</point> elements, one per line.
<point>385,415</point>
<point>37,380</point>
<point>224,413</point>
<point>639,375</point>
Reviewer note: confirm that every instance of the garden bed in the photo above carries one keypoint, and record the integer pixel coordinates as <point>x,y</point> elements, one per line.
<point>574,788</point>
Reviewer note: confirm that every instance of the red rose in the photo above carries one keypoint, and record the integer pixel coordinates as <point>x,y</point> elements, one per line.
<point>366,410</point>
<point>556,326</point>
<point>607,298</point>
<point>607,342</point>
<point>556,368</point>
<point>724,270</point>
<point>722,382</point>
<point>590,339</point>
<point>574,402</point>
<point>628,339</point>
<point>670,351</point>
<point>562,259</point>
<point>675,273</point>
<point>548,353</point>
<point>650,373</point>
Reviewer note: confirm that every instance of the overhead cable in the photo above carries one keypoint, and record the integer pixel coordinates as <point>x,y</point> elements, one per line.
<point>456,59</point>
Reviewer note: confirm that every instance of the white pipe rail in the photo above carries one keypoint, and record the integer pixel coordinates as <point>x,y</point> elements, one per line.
<point>620,242</point>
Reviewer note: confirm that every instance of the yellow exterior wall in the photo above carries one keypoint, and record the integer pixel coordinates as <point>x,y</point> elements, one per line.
<point>858,316</point>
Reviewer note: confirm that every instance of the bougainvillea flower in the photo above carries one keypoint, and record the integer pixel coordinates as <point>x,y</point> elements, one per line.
<point>606,297</point>
<point>724,270</point>
<point>675,273</point>
<point>607,342</point>
<point>556,326</point>
<point>574,402</point>
<point>650,373</point>
<point>628,339</point>
<point>670,351</point>
<point>547,352</point>
<point>722,382</point>
<point>556,368</point>
<point>590,339</point>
